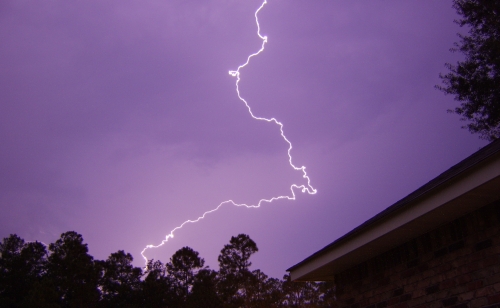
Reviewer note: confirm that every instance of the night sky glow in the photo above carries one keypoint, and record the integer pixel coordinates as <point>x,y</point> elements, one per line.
<point>118,120</point>
<point>304,188</point>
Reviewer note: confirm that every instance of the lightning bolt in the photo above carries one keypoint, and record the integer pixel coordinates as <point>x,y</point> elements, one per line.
<point>304,188</point>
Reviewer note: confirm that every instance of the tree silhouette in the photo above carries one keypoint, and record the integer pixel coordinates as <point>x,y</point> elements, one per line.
<point>204,291</point>
<point>65,275</point>
<point>157,288</point>
<point>120,281</point>
<point>235,276</point>
<point>475,82</point>
<point>263,291</point>
<point>21,268</point>
<point>182,268</point>
<point>300,294</point>
<point>72,272</point>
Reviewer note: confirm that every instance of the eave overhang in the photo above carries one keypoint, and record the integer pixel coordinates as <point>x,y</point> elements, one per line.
<point>465,187</point>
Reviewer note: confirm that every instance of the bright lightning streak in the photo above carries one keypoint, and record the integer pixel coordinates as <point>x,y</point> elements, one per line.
<point>304,188</point>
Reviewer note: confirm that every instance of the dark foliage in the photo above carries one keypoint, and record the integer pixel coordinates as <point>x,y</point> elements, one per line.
<point>475,82</point>
<point>204,291</point>
<point>22,266</point>
<point>157,288</point>
<point>65,275</point>
<point>182,269</point>
<point>120,281</point>
<point>72,273</point>
<point>234,273</point>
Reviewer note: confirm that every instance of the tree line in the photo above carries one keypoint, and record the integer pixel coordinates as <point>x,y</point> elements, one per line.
<point>64,274</point>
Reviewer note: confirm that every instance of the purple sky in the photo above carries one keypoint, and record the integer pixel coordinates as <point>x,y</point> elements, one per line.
<point>119,120</point>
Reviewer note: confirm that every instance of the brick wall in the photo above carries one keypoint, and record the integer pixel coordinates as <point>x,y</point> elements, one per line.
<point>456,265</point>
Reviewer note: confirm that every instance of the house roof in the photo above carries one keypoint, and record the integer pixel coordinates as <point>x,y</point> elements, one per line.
<point>468,185</point>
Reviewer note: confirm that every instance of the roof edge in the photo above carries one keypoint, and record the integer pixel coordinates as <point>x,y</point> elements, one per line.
<point>472,160</point>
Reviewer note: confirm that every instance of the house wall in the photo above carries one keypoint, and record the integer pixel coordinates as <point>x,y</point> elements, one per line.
<point>456,265</point>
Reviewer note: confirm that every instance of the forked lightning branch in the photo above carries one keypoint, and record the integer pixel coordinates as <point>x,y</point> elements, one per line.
<point>304,188</point>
